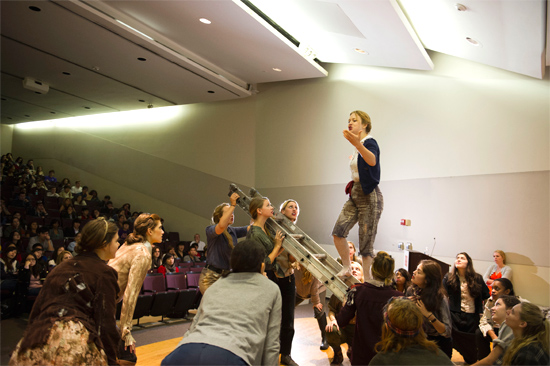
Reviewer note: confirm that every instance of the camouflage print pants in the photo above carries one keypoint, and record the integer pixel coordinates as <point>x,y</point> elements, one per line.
<point>365,210</point>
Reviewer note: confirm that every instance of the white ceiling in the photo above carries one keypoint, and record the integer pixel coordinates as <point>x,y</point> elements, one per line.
<point>189,62</point>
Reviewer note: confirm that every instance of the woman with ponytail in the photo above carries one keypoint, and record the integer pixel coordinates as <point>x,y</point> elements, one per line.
<point>132,261</point>
<point>221,238</point>
<point>367,301</point>
<point>403,339</point>
<point>72,321</point>
<point>531,336</point>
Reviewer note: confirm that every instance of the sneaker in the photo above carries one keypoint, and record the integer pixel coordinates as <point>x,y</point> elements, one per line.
<point>287,360</point>
<point>338,359</point>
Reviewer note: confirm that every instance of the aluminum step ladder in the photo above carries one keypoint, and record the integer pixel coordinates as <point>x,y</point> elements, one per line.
<point>302,247</point>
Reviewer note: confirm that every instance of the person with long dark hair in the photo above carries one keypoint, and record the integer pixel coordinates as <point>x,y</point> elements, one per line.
<point>168,265</point>
<point>243,329</point>
<point>221,238</point>
<point>132,261</point>
<point>156,260</point>
<point>366,301</point>
<point>430,297</point>
<point>9,270</point>
<point>401,280</point>
<point>403,340</point>
<point>467,291</point>
<point>531,336</point>
<point>73,319</point>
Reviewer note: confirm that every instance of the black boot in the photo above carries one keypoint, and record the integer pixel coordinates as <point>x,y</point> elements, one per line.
<point>338,358</point>
<point>322,321</point>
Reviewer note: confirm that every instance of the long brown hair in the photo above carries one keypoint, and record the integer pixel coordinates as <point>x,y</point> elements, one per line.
<point>433,292</point>
<point>141,225</point>
<point>473,286</point>
<point>96,234</point>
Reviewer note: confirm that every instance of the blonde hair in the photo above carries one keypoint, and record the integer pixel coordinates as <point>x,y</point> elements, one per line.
<point>536,330</point>
<point>383,267</point>
<point>365,119</point>
<point>502,254</point>
<point>404,315</point>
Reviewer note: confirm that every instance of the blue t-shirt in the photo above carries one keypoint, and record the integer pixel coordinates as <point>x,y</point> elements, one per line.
<point>218,248</point>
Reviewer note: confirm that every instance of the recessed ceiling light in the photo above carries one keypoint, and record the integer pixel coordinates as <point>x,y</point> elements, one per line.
<point>9,117</point>
<point>141,100</point>
<point>35,8</point>
<point>4,99</point>
<point>473,41</point>
<point>142,59</point>
<point>205,21</point>
<point>26,115</point>
<point>52,112</point>
<point>277,69</point>
<point>358,50</point>
<point>460,7</point>
<point>87,108</point>
<point>66,73</point>
<point>211,91</point>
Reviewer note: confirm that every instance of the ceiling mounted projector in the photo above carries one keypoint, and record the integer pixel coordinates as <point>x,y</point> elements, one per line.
<point>35,85</point>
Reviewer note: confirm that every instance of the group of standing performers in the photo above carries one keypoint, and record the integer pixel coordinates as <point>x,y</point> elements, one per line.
<point>72,321</point>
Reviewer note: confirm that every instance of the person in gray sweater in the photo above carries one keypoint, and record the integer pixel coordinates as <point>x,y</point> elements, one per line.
<point>239,319</point>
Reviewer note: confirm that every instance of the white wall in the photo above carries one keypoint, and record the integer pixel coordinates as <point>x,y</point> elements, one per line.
<point>6,135</point>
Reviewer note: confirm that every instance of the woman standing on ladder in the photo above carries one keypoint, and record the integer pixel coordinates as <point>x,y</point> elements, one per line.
<point>365,203</point>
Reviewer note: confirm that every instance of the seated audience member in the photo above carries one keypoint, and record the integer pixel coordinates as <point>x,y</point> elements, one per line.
<point>66,192</point>
<point>53,258</point>
<point>108,211</point>
<point>366,301</point>
<point>531,336</point>
<point>9,269</point>
<point>156,260</point>
<point>505,335</point>
<point>172,251</point>
<point>168,264</point>
<point>428,293</point>
<point>38,252</point>
<point>76,190</point>
<point>40,186</point>
<point>65,182</point>
<point>32,230</point>
<point>488,330</point>
<point>69,213</point>
<point>84,194</point>
<point>467,291</point>
<point>105,201</point>
<point>63,256</point>
<point>93,196</point>
<point>124,232</point>
<point>96,214</point>
<point>337,336</point>
<point>30,166</point>
<point>134,216</point>
<point>403,340</point>
<point>497,270</point>
<point>71,232</point>
<point>14,239</point>
<point>126,208</point>
<point>52,192</point>
<point>55,231</point>
<point>120,219</point>
<point>180,250</point>
<point>21,200</point>
<point>39,210</point>
<point>79,201</point>
<point>43,238</point>
<point>200,244</point>
<point>15,226</point>
<point>30,277</point>
<point>192,255</point>
<point>66,203</point>
<point>39,172</point>
<point>401,280</point>
<point>72,245</point>
<point>253,303</point>
<point>85,214</point>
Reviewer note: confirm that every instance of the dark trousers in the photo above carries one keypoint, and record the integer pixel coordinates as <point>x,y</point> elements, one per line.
<point>201,354</point>
<point>337,337</point>
<point>319,315</point>
<point>444,344</point>
<point>483,344</point>
<point>287,286</point>
<point>464,327</point>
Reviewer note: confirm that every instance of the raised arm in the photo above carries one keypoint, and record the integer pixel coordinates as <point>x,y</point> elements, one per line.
<point>226,217</point>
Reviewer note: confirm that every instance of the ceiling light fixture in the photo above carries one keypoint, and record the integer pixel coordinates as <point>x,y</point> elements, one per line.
<point>358,50</point>
<point>35,8</point>
<point>473,42</point>
<point>142,59</point>
<point>277,69</point>
<point>205,21</point>
<point>135,30</point>
<point>460,7</point>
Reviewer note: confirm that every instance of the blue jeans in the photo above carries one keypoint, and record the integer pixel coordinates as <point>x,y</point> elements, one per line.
<point>201,354</point>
